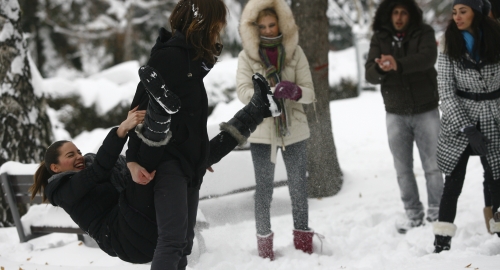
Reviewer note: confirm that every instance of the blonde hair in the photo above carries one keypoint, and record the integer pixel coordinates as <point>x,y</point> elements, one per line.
<point>267,12</point>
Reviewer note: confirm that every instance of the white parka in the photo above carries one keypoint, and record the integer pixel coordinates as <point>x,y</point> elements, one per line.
<point>295,69</point>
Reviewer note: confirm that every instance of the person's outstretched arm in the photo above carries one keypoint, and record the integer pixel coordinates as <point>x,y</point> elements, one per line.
<point>245,121</point>
<point>134,117</point>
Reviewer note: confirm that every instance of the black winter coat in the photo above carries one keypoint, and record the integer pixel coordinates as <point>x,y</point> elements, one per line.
<point>98,208</point>
<point>173,58</point>
<point>412,89</point>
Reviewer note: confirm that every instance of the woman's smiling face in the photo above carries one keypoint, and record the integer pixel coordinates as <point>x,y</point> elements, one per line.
<point>70,159</point>
<point>268,26</point>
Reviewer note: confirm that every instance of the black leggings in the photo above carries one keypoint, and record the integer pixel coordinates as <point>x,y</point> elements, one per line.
<point>453,187</point>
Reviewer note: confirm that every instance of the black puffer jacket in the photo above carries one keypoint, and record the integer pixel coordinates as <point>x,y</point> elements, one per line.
<point>412,89</point>
<point>173,58</point>
<point>95,204</point>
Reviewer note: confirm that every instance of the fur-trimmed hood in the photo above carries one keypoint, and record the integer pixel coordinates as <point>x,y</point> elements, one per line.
<point>249,33</point>
<point>383,14</point>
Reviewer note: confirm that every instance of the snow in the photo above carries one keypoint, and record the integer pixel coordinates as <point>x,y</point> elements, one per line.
<point>11,167</point>
<point>357,223</point>
<point>46,215</point>
<point>342,64</point>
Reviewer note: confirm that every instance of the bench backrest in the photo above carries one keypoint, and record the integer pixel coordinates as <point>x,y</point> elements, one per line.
<point>15,190</point>
<point>19,186</point>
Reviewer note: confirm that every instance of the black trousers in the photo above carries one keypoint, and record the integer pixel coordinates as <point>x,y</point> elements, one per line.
<point>453,187</point>
<point>172,205</point>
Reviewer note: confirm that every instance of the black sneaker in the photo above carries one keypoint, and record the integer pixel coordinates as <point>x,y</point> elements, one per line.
<point>430,220</point>
<point>157,90</point>
<point>407,224</point>
<point>263,94</point>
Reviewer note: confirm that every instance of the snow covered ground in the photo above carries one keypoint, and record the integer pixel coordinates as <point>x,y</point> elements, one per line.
<point>357,223</point>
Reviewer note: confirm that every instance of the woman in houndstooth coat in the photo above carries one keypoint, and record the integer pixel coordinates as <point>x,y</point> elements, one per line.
<point>469,89</point>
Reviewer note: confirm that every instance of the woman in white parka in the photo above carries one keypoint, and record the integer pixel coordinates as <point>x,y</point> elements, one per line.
<point>270,47</point>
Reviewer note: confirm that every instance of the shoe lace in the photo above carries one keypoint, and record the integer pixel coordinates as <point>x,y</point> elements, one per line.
<point>320,237</point>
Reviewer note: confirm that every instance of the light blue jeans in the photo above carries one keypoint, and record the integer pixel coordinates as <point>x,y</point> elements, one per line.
<point>402,131</point>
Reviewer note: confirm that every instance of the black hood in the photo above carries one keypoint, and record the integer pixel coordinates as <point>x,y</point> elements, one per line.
<point>166,39</point>
<point>384,12</point>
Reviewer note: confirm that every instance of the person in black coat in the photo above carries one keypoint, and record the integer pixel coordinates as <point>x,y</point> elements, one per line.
<point>128,215</point>
<point>88,189</point>
<point>401,59</point>
<point>183,58</point>
<point>98,192</point>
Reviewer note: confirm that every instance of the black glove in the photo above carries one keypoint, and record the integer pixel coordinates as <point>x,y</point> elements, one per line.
<point>478,142</point>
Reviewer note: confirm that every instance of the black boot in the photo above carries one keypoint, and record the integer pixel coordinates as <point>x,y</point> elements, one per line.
<point>157,90</point>
<point>155,131</point>
<point>262,105</point>
<point>442,243</point>
<point>245,121</point>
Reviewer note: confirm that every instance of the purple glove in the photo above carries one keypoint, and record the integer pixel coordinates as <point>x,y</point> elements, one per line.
<point>288,90</point>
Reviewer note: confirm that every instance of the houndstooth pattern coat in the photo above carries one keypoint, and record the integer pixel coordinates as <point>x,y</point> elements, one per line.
<point>458,112</point>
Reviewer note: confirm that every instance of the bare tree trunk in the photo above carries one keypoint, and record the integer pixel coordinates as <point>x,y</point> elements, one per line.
<point>325,176</point>
<point>129,32</point>
<point>25,129</point>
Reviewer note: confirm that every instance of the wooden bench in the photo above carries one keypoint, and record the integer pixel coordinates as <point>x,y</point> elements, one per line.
<point>16,179</point>
<point>15,189</point>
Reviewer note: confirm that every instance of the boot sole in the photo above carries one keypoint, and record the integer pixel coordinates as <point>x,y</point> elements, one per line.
<point>155,86</point>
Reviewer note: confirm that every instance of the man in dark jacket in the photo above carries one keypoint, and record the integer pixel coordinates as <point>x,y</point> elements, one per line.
<point>402,55</point>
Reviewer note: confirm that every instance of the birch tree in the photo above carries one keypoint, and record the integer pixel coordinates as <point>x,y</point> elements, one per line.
<point>25,129</point>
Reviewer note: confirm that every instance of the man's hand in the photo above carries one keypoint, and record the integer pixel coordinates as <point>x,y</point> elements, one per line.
<point>387,63</point>
<point>140,175</point>
<point>134,118</point>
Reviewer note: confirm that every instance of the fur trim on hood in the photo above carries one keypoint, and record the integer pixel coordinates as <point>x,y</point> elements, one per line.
<point>384,12</point>
<point>249,33</point>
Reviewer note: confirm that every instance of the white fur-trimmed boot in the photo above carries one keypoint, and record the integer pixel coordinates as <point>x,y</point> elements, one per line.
<point>443,232</point>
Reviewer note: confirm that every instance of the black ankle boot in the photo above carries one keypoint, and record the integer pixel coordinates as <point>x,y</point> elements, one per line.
<point>442,243</point>
<point>237,130</point>
<point>262,105</point>
<point>263,98</point>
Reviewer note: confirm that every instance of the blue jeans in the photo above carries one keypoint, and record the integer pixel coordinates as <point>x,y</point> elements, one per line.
<point>402,131</point>
<point>295,162</point>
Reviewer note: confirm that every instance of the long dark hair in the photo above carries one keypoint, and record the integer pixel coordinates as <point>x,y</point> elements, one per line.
<point>201,21</point>
<point>486,33</point>
<point>43,173</point>
<point>495,9</point>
